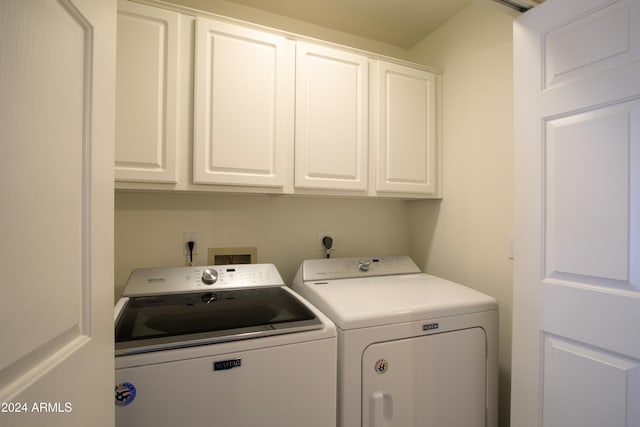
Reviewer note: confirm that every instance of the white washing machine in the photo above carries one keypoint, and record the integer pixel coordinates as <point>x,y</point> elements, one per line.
<point>221,346</point>
<point>413,349</point>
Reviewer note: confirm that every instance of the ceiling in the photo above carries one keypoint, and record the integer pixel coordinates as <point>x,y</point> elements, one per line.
<point>401,23</point>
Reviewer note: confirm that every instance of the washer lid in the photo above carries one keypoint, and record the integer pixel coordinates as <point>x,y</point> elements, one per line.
<point>160,322</point>
<point>383,300</point>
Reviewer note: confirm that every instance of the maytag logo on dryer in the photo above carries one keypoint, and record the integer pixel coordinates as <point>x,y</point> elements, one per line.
<point>430,326</point>
<point>155,279</point>
<point>224,365</point>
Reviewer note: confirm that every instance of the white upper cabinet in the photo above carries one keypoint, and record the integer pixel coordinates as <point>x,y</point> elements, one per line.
<point>404,129</point>
<point>272,113</point>
<point>147,63</point>
<point>244,96</point>
<point>331,133</point>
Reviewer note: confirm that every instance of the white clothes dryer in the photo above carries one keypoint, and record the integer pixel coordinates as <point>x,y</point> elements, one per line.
<point>413,349</point>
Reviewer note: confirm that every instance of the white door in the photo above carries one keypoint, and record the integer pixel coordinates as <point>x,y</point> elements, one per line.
<point>576,332</point>
<point>431,381</point>
<point>57,72</point>
<point>332,118</point>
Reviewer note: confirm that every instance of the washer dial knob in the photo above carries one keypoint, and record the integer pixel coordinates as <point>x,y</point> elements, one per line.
<point>209,276</point>
<point>363,265</point>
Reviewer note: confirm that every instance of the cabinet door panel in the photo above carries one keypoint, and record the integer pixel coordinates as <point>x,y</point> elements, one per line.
<point>243,105</point>
<point>331,144</point>
<point>147,48</point>
<point>405,132</point>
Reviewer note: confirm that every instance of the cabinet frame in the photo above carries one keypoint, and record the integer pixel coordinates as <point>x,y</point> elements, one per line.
<point>371,163</point>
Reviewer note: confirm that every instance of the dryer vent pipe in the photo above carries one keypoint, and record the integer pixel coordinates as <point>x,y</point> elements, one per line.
<point>519,5</point>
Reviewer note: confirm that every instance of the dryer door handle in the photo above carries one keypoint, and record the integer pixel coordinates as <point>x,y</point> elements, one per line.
<point>380,409</point>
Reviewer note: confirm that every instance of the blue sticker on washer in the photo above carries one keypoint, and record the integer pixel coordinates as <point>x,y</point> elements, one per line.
<point>125,393</point>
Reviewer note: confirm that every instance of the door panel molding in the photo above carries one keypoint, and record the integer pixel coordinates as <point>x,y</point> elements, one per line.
<point>591,227</point>
<point>567,362</point>
<point>576,50</point>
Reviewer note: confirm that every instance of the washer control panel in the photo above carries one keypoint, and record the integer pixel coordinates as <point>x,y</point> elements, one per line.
<point>171,280</point>
<point>345,268</point>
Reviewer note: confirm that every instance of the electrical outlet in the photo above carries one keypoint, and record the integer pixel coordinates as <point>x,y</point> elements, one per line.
<point>324,234</point>
<point>189,236</point>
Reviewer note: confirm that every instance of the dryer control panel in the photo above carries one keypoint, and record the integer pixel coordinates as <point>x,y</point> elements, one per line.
<point>345,268</point>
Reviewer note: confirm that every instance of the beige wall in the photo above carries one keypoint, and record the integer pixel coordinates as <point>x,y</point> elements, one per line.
<point>465,237</point>
<point>290,25</point>
<point>149,228</point>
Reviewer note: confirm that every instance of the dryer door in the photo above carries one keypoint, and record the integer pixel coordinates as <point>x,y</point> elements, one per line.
<point>434,380</point>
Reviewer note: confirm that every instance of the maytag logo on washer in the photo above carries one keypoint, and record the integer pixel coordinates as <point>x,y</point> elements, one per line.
<point>430,326</point>
<point>381,366</point>
<point>224,365</point>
